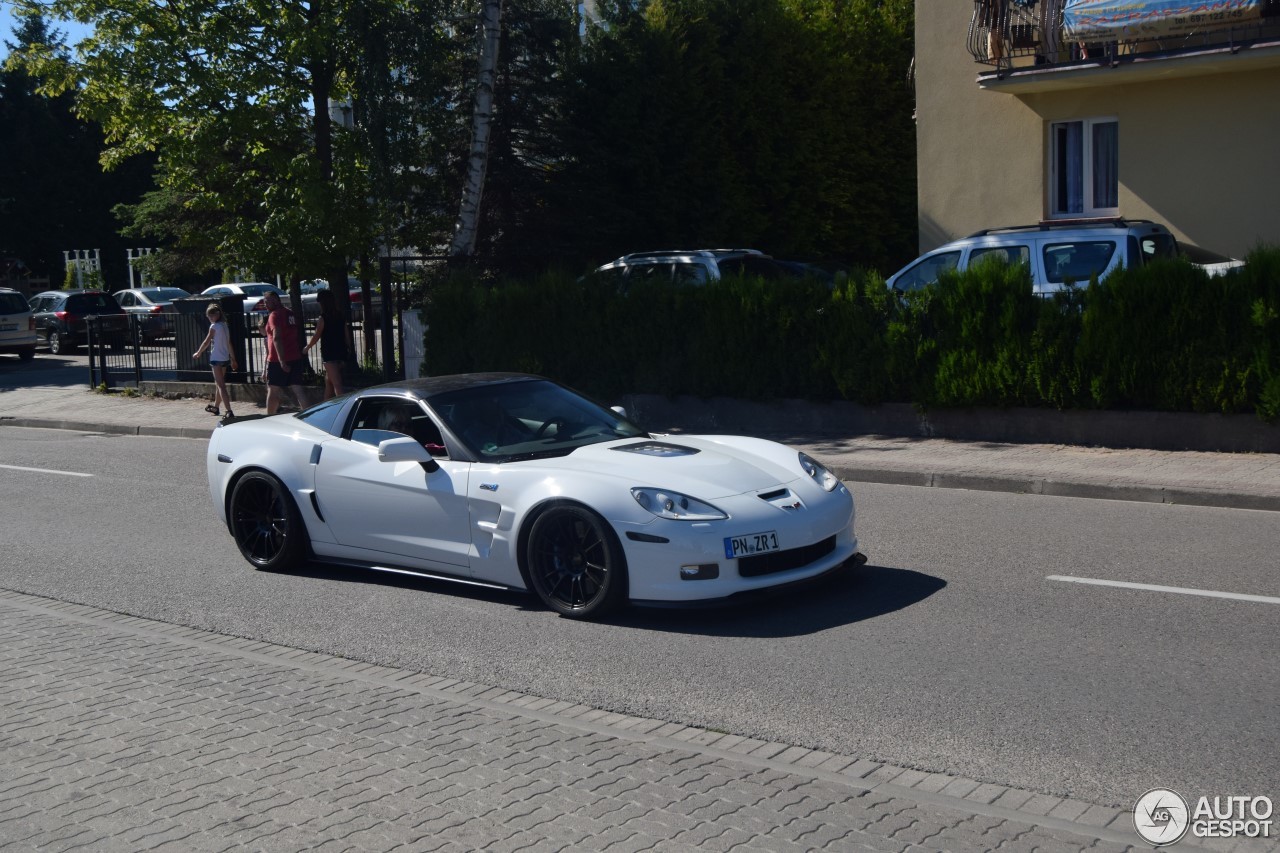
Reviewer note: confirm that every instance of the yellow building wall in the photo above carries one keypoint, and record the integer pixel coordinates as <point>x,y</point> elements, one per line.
<point>1199,152</point>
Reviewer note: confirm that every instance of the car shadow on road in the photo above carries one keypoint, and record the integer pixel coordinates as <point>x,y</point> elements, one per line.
<point>853,595</point>
<point>850,596</point>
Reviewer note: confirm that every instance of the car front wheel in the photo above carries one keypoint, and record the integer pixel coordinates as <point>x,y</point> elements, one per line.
<point>575,563</point>
<point>265,523</point>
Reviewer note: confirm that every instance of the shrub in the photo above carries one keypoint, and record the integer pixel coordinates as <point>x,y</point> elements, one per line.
<point>1165,336</point>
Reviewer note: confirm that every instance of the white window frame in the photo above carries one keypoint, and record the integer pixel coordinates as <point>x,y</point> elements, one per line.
<point>1087,168</point>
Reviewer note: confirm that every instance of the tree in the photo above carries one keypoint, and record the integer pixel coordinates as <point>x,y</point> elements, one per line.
<point>779,124</point>
<point>54,194</point>
<point>235,99</point>
<point>464,238</point>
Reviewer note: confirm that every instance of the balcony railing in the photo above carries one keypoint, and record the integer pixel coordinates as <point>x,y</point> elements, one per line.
<point>1012,34</point>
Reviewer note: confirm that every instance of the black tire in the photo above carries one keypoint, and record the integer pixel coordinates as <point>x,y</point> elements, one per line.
<point>265,523</point>
<point>575,563</point>
<point>60,344</point>
<point>27,354</point>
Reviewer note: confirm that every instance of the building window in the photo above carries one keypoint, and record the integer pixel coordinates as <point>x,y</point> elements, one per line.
<point>1084,175</point>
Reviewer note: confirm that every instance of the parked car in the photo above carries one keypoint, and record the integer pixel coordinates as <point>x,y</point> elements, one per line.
<point>355,296</point>
<point>252,293</point>
<point>1055,253</point>
<point>17,326</point>
<point>513,481</point>
<point>699,266</point>
<point>60,319</point>
<point>154,306</point>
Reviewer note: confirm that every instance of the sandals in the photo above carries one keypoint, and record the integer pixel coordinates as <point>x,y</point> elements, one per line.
<point>212,409</point>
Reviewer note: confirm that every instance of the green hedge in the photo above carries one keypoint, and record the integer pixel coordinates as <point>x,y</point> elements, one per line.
<point>1164,337</point>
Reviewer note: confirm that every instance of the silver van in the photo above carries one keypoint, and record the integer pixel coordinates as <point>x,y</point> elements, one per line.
<point>17,328</point>
<point>1057,253</point>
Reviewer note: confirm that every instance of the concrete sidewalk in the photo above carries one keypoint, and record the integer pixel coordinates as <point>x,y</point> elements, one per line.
<point>1237,480</point>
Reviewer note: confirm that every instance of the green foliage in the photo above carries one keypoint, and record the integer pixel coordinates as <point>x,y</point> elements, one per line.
<point>1170,337</point>
<point>1165,337</point>
<point>54,194</point>
<point>780,124</point>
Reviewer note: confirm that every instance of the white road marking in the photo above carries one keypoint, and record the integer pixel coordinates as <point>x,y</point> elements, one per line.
<point>46,471</point>
<point>1181,590</point>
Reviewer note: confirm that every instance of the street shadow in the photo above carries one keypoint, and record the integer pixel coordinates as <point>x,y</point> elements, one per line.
<point>849,596</point>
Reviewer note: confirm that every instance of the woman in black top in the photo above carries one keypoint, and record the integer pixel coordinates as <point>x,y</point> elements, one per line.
<point>331,334</point>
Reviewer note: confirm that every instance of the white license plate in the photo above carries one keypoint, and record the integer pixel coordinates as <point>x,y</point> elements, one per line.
<point>9,327</point>
<point>752,543</point>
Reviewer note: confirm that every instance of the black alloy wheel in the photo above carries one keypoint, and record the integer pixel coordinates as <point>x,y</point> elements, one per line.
<point>575,563</point>
<point>265,523</point>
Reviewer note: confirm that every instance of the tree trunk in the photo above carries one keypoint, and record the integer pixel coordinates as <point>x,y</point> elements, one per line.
<point>464,236</point>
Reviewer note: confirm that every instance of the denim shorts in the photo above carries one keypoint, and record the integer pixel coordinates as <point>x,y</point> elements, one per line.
<point>213,363</point>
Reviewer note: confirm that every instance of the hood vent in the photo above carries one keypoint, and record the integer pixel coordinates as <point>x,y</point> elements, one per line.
<point>658,448</point>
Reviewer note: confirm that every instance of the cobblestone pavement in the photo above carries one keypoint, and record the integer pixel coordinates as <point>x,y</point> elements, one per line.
<point>119,733</point>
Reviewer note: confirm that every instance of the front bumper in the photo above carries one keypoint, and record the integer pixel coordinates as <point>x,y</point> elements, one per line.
<point>814,540</point>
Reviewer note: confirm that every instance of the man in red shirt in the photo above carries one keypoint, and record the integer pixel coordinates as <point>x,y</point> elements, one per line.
<point>284,353</point>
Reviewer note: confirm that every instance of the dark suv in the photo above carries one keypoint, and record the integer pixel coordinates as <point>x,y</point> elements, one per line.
<point>60,317</point>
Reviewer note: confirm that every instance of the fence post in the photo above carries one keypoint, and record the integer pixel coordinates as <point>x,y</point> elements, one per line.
<point>135,326</point>
<point>388,342</point>
<point>93,362</point>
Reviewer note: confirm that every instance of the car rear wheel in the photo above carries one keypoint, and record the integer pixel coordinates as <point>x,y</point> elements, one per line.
<point>575,563</point>
<point>265,523</point>
<point>60,344</point>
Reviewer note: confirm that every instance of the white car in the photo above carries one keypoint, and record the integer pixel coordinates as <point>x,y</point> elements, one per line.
<point>17,327</point>
<point>513,481</point>
<point>1055,254</point>
<point>252,293</point>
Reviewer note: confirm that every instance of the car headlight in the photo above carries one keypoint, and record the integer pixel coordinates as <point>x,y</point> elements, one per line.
<point>819,472</point>
<point>674,505</point>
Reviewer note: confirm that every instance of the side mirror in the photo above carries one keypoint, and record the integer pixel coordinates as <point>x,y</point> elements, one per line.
<point>406,449</point>
<point>618,410</point>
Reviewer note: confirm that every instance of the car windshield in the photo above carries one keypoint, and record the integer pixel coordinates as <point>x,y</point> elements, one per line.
<point>164,294</point>
<point>528,420</point>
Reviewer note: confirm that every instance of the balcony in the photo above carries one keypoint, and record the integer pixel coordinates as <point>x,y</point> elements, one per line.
<point>1045,45</point>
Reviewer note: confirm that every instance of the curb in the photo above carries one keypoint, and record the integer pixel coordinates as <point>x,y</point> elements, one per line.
<point>1059,488</point>
<point>107,429</point>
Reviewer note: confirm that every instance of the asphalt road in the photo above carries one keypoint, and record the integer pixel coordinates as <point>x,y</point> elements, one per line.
<point>951,651</point>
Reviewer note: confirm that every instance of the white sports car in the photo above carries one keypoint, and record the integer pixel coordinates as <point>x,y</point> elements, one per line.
<point>516,482</point>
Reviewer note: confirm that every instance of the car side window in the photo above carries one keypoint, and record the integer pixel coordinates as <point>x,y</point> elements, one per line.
<point>1009,254</point>
<point>380,418</point>
<point>690,273</point>
<point>765,268</point>
<point>650,272</point>
<point>125,299</point>
<point>1077,261</point>
<point>926,270</point>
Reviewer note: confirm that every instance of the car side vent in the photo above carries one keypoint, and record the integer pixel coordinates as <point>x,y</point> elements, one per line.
<point>658,448</point>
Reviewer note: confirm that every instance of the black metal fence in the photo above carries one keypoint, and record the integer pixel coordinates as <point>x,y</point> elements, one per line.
<point>169,356</point>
